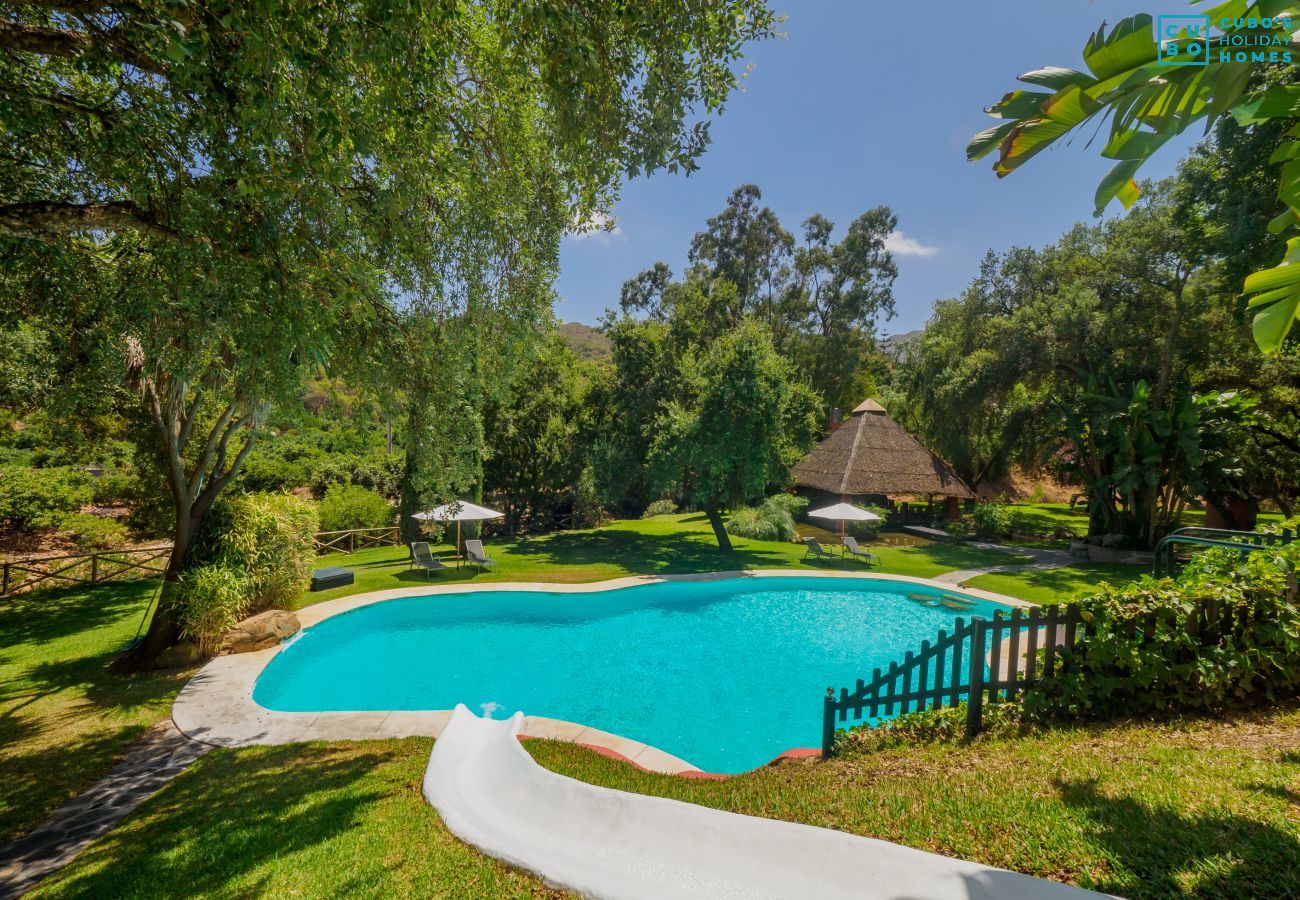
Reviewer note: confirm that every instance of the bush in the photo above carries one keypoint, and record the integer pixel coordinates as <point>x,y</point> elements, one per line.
<point>587,508</point>
<point>991,520</point>
<point>212,599</point>
<point>868,530</point>
<point>664,507</point>
<point>793,504</point>
<point>115,490</point>
<point>352,506</point>
<point>267,539</point>
<point>270,538</point>
<point>769,522</point>
<point>1225,635</point>
<point>38,499</point>
<point>929,726</point>
<point>89,532</point>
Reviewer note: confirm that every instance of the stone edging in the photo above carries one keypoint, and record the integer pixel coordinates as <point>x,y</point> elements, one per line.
<point>216,706</point>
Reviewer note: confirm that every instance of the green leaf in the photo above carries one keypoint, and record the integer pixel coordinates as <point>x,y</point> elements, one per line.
<point>1018,105</point>
<point>1056,78</point>
<point>1283,221</point>
<point>983,143</point>
<point>1273,322</point>
<point>1119,184</point>
<point>1130,44</point>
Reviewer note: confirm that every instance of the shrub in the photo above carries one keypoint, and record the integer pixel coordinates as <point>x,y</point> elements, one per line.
<point>212,599</point>
<point>664,507</point>
<point>89,532</point>
<point>266,538</point>
<point>791,503</point>
<point>352,506</point>
<point>114,490</point>
<point>769,522</point>
<point>929,726</point>
<point>991,520</point>
<point>269,537</point>
<point>1224,635</point>
<point>38,499</point>
<point>868,530</point>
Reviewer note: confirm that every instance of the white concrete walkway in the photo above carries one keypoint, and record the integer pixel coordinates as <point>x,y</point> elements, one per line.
<point>611,844</point>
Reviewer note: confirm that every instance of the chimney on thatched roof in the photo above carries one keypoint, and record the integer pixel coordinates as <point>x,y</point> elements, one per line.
<point>871,455</point>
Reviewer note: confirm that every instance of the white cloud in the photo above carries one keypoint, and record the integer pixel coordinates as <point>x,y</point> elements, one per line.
<point>900,244</point>
<point>600,225</point>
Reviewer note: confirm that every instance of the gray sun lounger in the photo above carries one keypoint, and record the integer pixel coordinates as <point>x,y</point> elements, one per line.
<point>816,550</point>
<point>851,548</point>
<point>474,553</point>
<point>422,557</point>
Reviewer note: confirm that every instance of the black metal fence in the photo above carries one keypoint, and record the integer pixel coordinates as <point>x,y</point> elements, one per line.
<point>980,661</point>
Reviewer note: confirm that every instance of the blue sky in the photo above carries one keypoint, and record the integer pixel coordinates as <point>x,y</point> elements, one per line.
<point>868,103</point>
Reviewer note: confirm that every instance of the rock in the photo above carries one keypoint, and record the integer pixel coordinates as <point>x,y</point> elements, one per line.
<point>1063,534</point>
<point>1079,549</point>
<point>174,657</point>
<point>258,632</point>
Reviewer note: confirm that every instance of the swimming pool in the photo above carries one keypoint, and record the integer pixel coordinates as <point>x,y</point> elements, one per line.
<point>725,674</point>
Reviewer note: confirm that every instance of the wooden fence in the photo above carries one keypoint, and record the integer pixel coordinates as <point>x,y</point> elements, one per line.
<point>979,661</point>
<point>21,575</point>
<point>353,539</point>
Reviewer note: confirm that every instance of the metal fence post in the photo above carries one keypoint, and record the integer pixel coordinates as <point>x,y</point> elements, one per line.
<point>828,723</point>
<point>975,700</point>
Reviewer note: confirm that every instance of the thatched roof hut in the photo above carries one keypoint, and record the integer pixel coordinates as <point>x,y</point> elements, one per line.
<point>870,455</point>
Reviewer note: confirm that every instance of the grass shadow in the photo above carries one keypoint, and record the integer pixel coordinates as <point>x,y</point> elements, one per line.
<point>1168,853</point>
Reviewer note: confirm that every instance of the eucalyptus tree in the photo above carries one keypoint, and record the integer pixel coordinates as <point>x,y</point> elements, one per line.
<point>213,199</point>
<point>1154,87</point>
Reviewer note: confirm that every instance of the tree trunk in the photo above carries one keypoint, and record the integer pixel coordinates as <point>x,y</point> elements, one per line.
<point>719,530</point>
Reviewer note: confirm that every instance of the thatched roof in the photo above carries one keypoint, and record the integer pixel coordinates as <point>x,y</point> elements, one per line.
<point>872,454</point>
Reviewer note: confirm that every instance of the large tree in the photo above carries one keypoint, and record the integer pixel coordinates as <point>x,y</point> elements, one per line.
<point>218,199</point>
<point>742,420</point>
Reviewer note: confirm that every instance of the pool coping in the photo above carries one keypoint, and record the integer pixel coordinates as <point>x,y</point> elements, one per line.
<point>216,706</point>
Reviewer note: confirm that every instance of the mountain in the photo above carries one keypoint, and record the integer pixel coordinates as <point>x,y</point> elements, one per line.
<point>586,342</point>
<point>894,343</point>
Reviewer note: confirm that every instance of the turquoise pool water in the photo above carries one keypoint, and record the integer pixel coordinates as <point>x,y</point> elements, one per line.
<point>724,674</point>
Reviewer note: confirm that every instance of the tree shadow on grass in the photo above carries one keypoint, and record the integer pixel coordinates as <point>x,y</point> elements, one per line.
<point>646,554</point>
<point>231,813</point>
<point>35,780</point>
<point>1230,855</point>
<point>49,614</point>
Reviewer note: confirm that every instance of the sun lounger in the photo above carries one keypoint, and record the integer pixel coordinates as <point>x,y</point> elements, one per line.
<point>851,548</point>
<point>816,550</point>
<point>474,553</point>
<point>422,557</point>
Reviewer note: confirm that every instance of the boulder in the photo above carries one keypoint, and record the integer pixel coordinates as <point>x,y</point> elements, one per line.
<point>258,632</point>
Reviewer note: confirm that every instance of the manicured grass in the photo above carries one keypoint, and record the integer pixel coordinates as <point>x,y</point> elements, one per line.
<point>304,820</point>
<point>663,545</point>
<point>64,719</point>
<point>1201,809</point>
<point>1058,585</point>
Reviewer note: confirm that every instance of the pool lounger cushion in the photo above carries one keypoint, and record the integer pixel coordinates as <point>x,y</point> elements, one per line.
<point>324,579</point>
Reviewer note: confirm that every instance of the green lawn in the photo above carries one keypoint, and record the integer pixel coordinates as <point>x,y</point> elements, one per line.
<point>1199,809</point>
<point>660,546</point>
<point>63,718</point>
<point>1051,585</point>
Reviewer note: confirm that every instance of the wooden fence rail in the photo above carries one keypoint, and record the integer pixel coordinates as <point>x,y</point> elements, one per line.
<point>353,539</point>
<point>18,576</point>
<point>21,575</point>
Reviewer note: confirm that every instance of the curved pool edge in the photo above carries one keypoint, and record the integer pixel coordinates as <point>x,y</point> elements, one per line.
<point>216,706</point>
